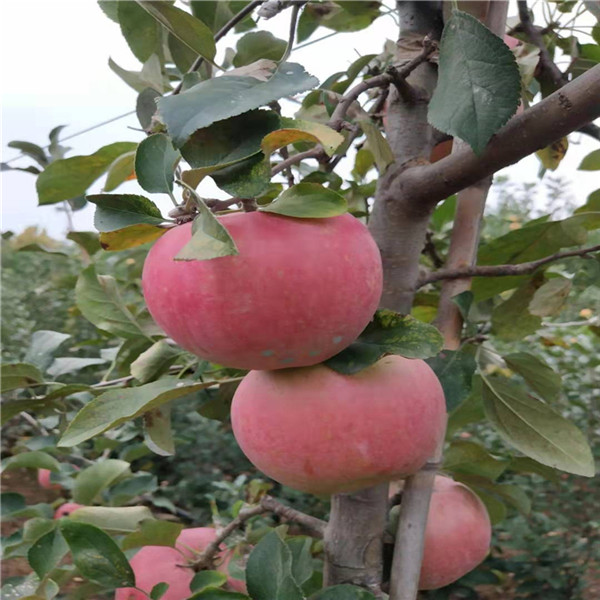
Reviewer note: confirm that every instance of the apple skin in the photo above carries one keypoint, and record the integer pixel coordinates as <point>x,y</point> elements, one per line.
<point>318,431</point>
<point>154,564</point>
<point>299,291</point>
<point>64,510</point>
<point>457,536</point>
<point>43,477</point>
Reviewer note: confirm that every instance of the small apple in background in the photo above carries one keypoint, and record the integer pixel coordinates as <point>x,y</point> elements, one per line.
<point>318,431</point>
<point>457,536</point>
<point>64,510</point>
<point>43,477</point>
<point>155,564</point>
<point>299,291</point>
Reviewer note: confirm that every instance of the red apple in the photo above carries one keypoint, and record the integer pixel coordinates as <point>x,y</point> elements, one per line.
<point>299,291</point>
<point>457,536</point>
<point>44,480</point>
<point>64,510</point>
<point>318,431</point>
<point>155,564</point>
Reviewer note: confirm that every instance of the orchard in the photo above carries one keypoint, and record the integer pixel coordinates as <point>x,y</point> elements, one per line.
<point>318,347</point>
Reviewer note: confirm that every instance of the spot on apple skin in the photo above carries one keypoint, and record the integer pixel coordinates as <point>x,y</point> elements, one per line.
<point>314,353</point>
<point>267,352</point>
<point>337,339</point>
<point>287,360</point>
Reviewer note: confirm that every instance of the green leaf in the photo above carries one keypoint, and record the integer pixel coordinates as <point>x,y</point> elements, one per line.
<point>551,156</point>
<point>118,406</point>
<point>157,431</point>
<point>11,502</point>
<point>182,55</point>
<point>154,362</point>
<point>88,240</point>
<point>591,162</point>
<point>455,371</point>
<point>122,519</point>
<point>130,237</point>
<point>479,85</point>
<point>18,375</point>
<point>302,561</point>
<point>191,31</point>
<point>31,460</point>
<point>32,150</point>
<point>343,592</point>
<point>247,179</point>
<point>96,556</point>
<point>209,238</point>
<point>140,30</point>
<point>308,201</point>
<point>536,429</point>
<point>511,320</point>
<point>119,171</point>
<point>256,45</point>
<point>116,211</point>
<point>378,145</point>
<point>205,580</point>
<point>127,489</point>
<point>99,301</point>
<point>40,248</point>
<point>213,13</point>
<point>151,75</point>
<point>388,333</point>
<point>298,130</point>
<point>159,590</point>
<point>230,141</point>
<point>468,457</point>
<point>541,377</point>
<point>91,481</point>
<point>153,532</point>
<point>155,162</point>
<point>203,104</point>
<point>70,364</point>
<point>269,571</point>
<point>47,552</point>
<point>523,464</point>
<point>145,106</point>
<point>217,594</point>
<point>70,177</point>
<point>550,299</point>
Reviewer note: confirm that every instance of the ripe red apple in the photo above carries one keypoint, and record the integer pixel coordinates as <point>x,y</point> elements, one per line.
<point>64,510</point>
<point>457,536</point>
<point>318,431</point>
<point>299,291</point>
<point>43,477</point>
<point>155,564</point>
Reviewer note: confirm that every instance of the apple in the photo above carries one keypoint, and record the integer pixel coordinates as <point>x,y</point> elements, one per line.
<point>457,536</point>
<point>43,477</point>
<point>318,431</point>
<point>299,291</point>
<point>155,564</point>
<point>64,510</point>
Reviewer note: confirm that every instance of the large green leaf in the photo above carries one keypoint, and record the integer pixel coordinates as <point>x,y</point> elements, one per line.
<point>154,362</point>
<point>468,457</point>
<point>256,45</point>
<point>119,171</point>
<point>378,145</point>
<point>91,481</point>
<point>202,105</point>
<point>47,552</point>
<point>550,299</point>
<point>269,571</point>
<point>184,26</point>
<point>205,580</point>
<point>17,375</point>
<point>155,162</point>
<point>209,238</point>
<point>140,30</point>
<point>247,179</point>
<point>479,85</point>
<point>121,519</point>
<point>157,430</point>
<point>231,140</point>
<point>537,373</point>
<point>31,460</point>
<point>535,429</point>
<point>153,532</point>
<point>116,211</point>
<point>388,333</point>
<point>99,301</point>
<point>70,364</point>
<point>308,201</point>
<point>150,77</point>
<point>96,556</point>
<point>118,406</point>
<point>591,162</point>
<point>70,177</point>
<point>511,320</point>
<point>454,369</point>
<point>88,240</point>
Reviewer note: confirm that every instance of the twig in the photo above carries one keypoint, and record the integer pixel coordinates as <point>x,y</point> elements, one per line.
<point>222,33</point>
<point>503,270</point>
<point>314,526</point>
<point>318,153</point>
<point>34,423</point>
<point>293,22</point>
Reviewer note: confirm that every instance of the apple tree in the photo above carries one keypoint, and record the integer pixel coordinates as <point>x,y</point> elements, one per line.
<point>341,305</point>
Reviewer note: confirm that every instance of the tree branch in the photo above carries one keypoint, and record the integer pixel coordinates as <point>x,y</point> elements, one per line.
<point>503,270</point>
<point>569,108</point>
<point>314,526</point>
<point>318,153</point>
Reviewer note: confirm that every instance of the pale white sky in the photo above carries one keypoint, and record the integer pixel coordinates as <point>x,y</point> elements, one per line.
<point>54,71</point>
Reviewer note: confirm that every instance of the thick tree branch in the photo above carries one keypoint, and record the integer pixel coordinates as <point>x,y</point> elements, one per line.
<point>313,526</point>
<point>566,110</point>
<point>504,270</point>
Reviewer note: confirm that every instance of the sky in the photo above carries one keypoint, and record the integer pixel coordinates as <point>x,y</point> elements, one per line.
<point>54,71</point>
